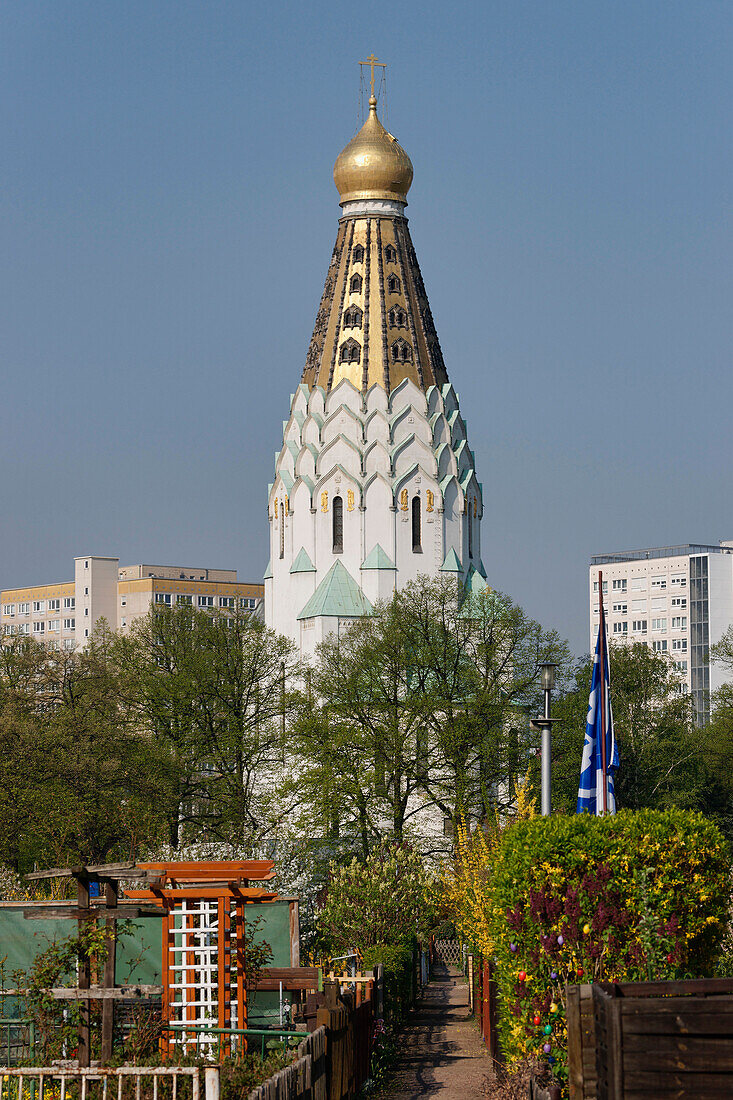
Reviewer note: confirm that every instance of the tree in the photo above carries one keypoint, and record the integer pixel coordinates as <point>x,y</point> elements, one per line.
<point>660,760</point>
<point>78,785</point>
<point>211,689</point>
<point>421,707</point>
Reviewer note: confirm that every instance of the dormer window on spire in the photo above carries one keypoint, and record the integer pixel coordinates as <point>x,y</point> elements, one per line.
<point>350,351</point>
<point>358,254</point>
<point>397,317</point>
<point>401,351</point>
<point>390,254</point>
<point>393,284</point>
<point>355,284</point>
<point>353,317</point>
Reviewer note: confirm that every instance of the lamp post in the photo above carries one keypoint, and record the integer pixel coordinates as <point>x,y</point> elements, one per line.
<point>544,724</point>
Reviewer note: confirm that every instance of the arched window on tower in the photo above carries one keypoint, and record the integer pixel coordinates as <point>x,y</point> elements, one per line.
<point>401,352</point>
<point>350,351</point>
<point>397,317</point>
<point>355,284</point>
<point>358,254</point>
<point>390,254</point>
<point>416,526</point>
<point>470,533</point>
<point>282,532</point>
<point>353,317</point>
<point>393,284</point>
<point>338,525</point>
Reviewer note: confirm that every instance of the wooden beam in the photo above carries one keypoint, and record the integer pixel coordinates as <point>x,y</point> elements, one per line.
<point>205,892</point>
<point>108,1008</point>
<point>72,912</point>
<point>84,972</point>
<point>100,993</point>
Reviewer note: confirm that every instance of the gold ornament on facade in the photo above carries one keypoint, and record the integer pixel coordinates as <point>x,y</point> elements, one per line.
<point>324,501</point>
<point>350,500</point>
<point>403,500</point>
<point>275,507</point>
<point>430,499</point>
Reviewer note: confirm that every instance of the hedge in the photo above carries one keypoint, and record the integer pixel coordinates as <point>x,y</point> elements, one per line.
<point>629,897</point>
<point>397,960</point>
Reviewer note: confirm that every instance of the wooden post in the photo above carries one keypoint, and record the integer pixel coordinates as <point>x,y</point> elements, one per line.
<point>575,1044</point>
<point>85,971</point>
<point>294,933</point>
<point>108,1005</point>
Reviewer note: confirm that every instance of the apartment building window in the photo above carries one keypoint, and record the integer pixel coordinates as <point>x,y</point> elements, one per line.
<point>69,603</point>
<point>123,601</point>
<point>69,624</point>
<point>638,605</point>
<point>620,585</point>
<point>638,584</point>
<point>184,599</point>
<point>206,601</point>
<point>659,582</point>
<point>659,604</point>
<point>8,628</point>
<point>679,580</point>
<point>660,647</point>
<point>39,627</point>
<point>68,643</point>
<point>639,626</point>
<point>679,601</point>
<point>39,606</point>
<point>24,628</point>
<point>620,608</point>
<point>54,605</point>
<point>660,625</point>
<point>679,622</point>
<point>681,666</point>
<point>24,609</point>
<point>621,628</point>
<point>86,564</point>
<point>226,601</point>
<point>86,591</point>
<point>605,586</point>
<point>8,610</point>
<point>679,645</point>
<point>250,604</point>
<point>86,611</point>
<point>163,597</point>
<point>86,633</point>
<point>53,626</point>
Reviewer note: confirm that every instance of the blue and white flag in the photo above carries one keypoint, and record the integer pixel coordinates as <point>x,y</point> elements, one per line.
<point>592,777</point>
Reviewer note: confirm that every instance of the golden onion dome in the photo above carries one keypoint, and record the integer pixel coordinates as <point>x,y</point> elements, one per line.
<point>373,165</point>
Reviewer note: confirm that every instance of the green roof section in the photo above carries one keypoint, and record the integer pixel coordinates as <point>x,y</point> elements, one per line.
<point>338,596</point>
<point>268,571</point>
<point>378,559</point>
<point>475,583</point>
<point>451,563</point>
<point>302,563</point>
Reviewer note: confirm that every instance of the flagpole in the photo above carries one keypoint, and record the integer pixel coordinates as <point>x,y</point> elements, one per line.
<point>603,690</point>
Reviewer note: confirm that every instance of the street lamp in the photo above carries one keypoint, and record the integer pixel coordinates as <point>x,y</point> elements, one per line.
<point>547,680</point>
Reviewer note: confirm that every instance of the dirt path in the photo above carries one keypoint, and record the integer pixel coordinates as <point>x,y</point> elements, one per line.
<point>441,1051</point>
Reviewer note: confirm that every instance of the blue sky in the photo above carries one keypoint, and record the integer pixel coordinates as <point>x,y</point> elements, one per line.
<point>167,213</point>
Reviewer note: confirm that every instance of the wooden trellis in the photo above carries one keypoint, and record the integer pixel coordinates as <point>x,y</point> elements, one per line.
<point>204,954</point>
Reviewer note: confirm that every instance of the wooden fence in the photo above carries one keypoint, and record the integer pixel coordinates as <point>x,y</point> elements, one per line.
<point>483,999</point>
<point>304,1079</point>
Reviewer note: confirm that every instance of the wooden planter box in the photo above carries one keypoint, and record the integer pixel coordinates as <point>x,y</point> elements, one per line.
<point>664,1039</point>
<point>582,1076</point>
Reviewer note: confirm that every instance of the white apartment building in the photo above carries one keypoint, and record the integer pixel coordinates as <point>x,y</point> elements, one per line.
<point>676,599</point>
<point>64,615</point>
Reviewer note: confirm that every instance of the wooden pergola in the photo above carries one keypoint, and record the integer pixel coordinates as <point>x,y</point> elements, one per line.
<point>204,948</point>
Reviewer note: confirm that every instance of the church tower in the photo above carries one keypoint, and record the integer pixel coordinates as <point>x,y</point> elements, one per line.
<point>375,482</point>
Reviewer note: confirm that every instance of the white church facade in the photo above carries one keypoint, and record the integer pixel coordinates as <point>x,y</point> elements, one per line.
<point>375,482</point>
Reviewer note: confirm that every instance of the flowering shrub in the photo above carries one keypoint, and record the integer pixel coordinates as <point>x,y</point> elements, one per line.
<point>632,897</point>
<point>389,898</point>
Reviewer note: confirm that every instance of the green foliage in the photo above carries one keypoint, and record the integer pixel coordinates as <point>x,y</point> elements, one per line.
<point>388,898</point>
<point>633,896</point>
<point>397,960</point>
<point>423,703</point>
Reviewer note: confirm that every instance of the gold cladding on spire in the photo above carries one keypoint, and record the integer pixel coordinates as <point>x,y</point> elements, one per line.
<point>373,165</point>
